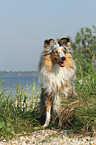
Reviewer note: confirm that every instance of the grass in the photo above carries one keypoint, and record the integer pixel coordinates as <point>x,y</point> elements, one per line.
<point>80,113</point>
<point>19,114</point>
<point>16,111</point>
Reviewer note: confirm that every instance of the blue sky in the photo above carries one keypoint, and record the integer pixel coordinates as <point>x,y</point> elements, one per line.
<point>25,24</point>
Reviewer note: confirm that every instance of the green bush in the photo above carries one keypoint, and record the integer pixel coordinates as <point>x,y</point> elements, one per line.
<point>85,50</point>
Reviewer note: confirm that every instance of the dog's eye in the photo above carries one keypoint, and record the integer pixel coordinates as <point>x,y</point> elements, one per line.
<point>64,51</point>
<point>56,51</point>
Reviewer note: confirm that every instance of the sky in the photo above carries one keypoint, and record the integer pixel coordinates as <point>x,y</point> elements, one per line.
<point>25,24</point>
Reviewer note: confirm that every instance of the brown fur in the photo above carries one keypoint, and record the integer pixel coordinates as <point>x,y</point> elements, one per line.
<point>47,62</point>
<point>68,61</point>
<point>49,101</point>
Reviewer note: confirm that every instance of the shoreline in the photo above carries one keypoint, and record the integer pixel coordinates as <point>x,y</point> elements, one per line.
<point>18,73</point>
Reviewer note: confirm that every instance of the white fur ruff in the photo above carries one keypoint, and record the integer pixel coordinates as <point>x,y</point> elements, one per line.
<point>59,76</point>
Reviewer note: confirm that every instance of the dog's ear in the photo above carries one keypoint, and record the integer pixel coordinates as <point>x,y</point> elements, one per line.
<point>51,41</point>
<point>48,42</point>
<point>65,41</point>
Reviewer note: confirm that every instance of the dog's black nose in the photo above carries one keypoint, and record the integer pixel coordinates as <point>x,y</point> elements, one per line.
<point>63,58</point>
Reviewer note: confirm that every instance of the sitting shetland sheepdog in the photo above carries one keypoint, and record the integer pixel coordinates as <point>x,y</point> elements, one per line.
<point>57,75</point>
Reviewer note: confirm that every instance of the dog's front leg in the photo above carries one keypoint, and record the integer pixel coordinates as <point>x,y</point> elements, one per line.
<point>48,111</point>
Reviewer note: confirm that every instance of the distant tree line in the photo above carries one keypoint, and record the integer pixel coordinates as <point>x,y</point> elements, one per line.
<point>18,73</point>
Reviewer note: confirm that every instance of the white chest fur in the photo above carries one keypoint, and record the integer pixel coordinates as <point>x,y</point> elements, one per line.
<point>53,80</point>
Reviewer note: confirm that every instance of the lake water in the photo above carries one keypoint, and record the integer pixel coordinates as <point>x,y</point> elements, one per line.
<point>12,82</point>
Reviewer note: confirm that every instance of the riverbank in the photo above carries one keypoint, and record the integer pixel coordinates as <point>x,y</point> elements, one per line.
<point>18,73</point>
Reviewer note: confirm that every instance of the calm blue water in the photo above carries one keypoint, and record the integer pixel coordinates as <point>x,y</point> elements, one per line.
<point>12,82</point>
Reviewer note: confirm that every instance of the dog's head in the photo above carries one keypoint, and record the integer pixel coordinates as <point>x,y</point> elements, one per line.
<point>56,51</point>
